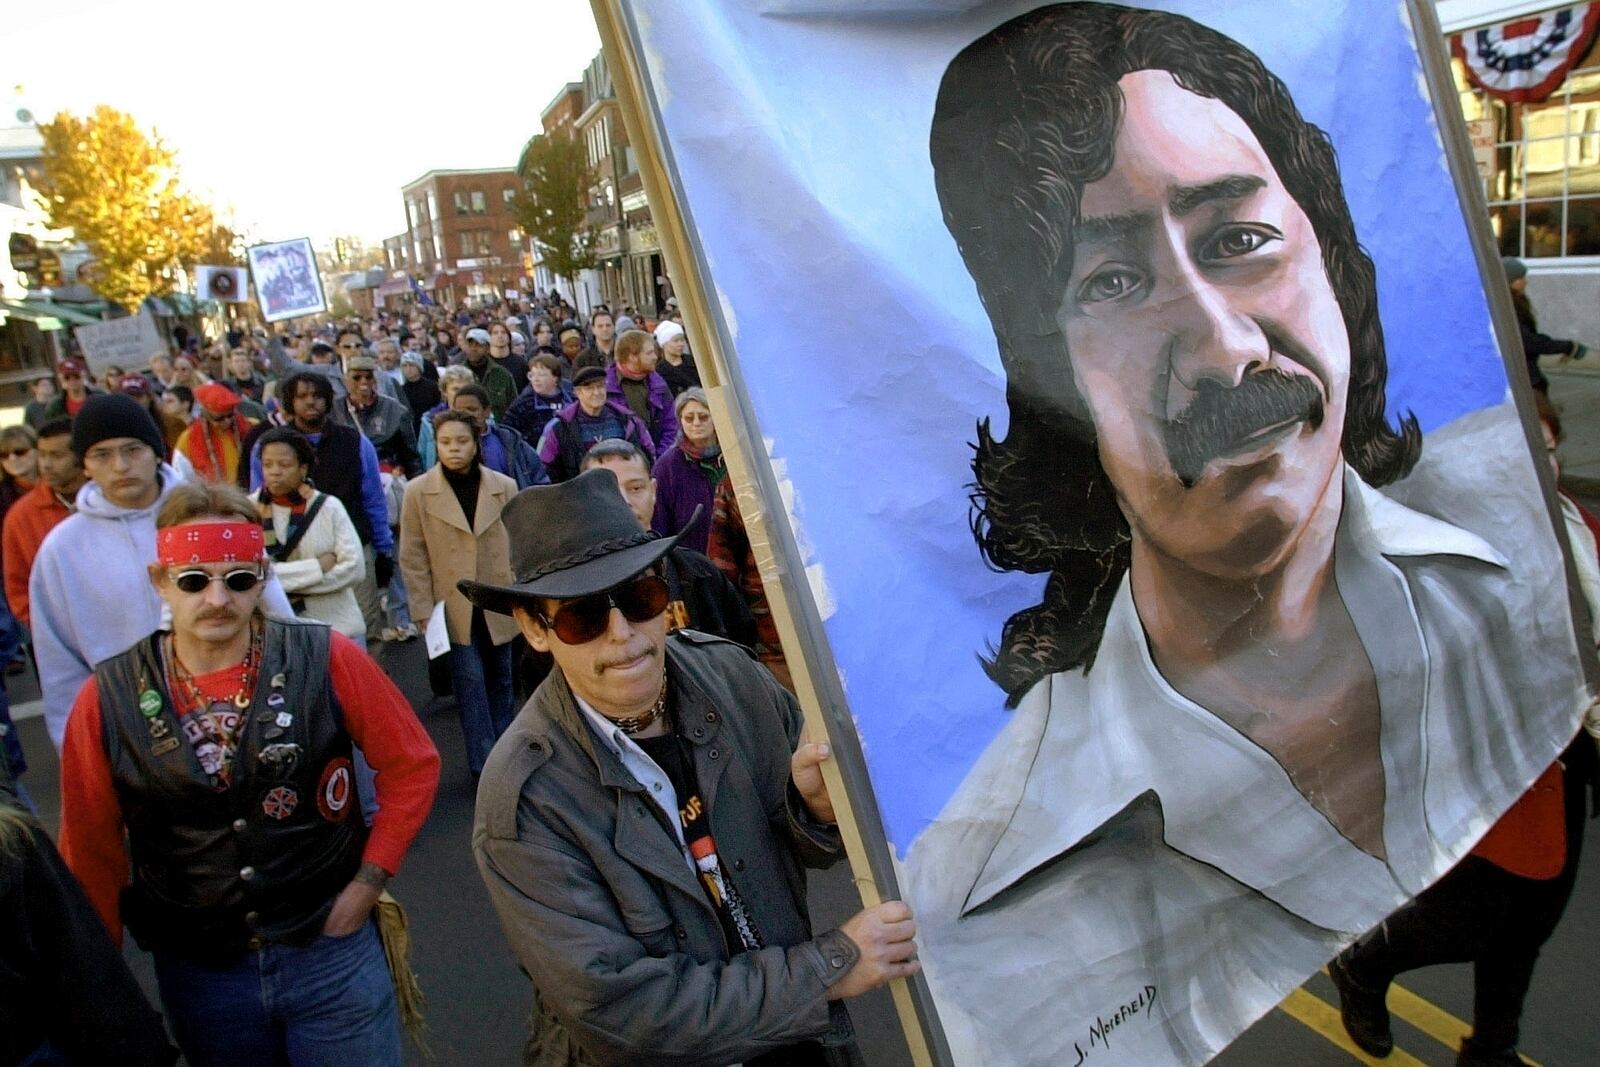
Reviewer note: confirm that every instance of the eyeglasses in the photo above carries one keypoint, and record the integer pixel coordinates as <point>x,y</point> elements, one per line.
<point>580,621</point>
<point>353,344</point>
<point>239,581</point>
<point>694,416</point>
<point>130,453</point>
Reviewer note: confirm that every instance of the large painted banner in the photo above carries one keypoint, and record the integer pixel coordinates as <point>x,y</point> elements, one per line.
<point>1172,527</point>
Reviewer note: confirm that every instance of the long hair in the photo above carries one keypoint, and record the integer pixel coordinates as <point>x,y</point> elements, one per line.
<point>1026,116</point>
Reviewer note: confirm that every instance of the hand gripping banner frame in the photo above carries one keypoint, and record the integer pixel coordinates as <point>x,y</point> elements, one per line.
<point>761,493</point>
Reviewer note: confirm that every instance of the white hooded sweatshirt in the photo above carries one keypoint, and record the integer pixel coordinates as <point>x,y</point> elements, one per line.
<point>90,594</point>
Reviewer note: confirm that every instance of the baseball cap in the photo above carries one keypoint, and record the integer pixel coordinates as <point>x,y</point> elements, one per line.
<point>479,335</point>
<point>360,362</point>
<point>413,358</point>
<point>70,366</point>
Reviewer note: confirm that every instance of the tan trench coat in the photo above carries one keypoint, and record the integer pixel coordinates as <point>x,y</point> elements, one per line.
<point>437,550</point>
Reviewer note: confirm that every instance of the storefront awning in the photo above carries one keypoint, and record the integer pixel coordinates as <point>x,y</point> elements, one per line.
<point>40,311</point>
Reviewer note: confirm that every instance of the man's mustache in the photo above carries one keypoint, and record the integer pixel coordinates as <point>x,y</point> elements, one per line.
<point>1221,420</point>
<point>619,659</point>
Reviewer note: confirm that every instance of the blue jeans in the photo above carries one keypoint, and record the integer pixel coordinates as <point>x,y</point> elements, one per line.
<point>398,610</point>
<point>328,1004</point>
<point>485,700</point>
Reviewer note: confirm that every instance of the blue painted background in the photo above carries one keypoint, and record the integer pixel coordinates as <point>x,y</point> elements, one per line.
<point>799,131</point>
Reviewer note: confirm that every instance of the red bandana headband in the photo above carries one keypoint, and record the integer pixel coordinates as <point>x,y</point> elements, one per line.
<point>209,542</point>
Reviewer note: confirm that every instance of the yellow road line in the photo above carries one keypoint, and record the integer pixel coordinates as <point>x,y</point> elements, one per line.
<point>1422,1014</point>
<point>1322,1017</point>
<point>1432,1019</point>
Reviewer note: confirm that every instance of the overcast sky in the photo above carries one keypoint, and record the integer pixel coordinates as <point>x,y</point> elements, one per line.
<point>304,118</point>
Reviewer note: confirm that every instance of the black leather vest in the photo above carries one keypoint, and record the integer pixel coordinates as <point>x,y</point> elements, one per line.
<point>267,856</point>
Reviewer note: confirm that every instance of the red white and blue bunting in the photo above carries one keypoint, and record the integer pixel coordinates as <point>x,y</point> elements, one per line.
<point>1527,59</point>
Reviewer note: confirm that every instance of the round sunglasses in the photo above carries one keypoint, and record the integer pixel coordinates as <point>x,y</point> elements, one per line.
<point>580,621</point>
<point>239,581</point>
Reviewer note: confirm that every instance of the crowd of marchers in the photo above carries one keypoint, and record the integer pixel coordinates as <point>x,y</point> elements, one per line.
<point>204,554</point>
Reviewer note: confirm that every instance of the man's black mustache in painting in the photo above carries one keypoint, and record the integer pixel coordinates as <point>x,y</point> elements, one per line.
<point>1222,420</point>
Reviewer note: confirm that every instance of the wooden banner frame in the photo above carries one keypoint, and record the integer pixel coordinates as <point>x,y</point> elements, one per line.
<point>816,678</point>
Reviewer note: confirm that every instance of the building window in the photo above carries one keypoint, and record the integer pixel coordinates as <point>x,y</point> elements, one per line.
<point>1542,175</point>
<point>514,235</point>
<point>411,206</point>
<point>461,203</point>
<point>509,196</point>
<point>433,207</point>
<point>480,204</point>
<point>438,248</point>
<point>416,250</point>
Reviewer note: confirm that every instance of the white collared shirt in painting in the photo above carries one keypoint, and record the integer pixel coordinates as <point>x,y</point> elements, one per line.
<point>1124,879</point>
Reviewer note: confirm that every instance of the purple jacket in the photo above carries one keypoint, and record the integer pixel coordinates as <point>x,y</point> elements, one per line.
<point>680,486</point>
<point>562,445</point>
<point>663,420</point>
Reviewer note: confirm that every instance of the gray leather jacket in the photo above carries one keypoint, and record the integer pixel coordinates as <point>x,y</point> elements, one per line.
<point>602,908</point>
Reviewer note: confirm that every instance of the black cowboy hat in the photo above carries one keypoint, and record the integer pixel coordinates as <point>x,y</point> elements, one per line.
<point>570,540</point>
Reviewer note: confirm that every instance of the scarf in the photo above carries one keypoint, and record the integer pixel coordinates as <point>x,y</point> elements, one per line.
<point>296,503</point>
<point>215,456</point>
<point>632,375</point>
<point>706,457</point>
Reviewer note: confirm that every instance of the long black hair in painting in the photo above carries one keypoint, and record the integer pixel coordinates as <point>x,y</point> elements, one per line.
<point>1026,116</point>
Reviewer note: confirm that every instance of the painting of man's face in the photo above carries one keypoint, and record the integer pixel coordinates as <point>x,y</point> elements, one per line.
<point>1204,336</point>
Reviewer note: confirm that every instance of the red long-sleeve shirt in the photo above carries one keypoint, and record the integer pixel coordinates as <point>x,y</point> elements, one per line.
<point>376,714</point>
<point>30,518</point>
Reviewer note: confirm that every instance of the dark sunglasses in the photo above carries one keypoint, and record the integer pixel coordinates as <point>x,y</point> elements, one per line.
<point>239,581</point>
<point>580,621</point>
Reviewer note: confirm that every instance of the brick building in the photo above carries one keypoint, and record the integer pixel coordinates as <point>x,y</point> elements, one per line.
<point>631,271</point>
<point>461,239</point>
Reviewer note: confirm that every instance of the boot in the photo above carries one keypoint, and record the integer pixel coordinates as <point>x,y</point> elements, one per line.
<point>1474,1055</point>
<point>1364,1012</point>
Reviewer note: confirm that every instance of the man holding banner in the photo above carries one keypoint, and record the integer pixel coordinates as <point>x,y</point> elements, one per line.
<point>643,823</point>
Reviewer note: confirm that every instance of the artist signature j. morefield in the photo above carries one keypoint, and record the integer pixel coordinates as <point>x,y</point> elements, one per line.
<point>1100,1031</point>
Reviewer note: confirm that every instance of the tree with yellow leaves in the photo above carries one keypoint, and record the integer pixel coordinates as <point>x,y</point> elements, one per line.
<point>117,190</point>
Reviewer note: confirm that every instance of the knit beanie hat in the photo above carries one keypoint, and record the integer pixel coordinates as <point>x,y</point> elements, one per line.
<point>1515,269</point>
<point>109,415</point>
